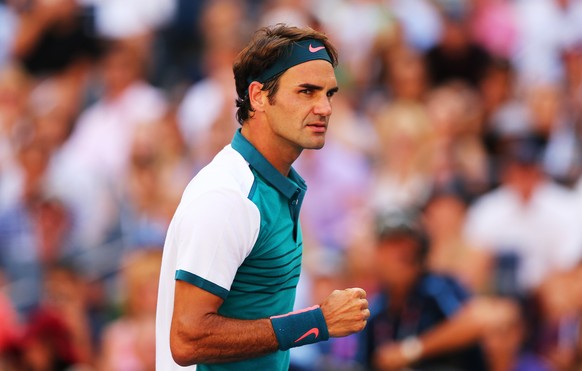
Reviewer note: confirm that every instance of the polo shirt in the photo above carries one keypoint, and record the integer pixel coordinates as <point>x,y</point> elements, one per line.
<point>235,234</point>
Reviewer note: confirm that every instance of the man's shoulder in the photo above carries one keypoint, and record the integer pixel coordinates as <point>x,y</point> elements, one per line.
<point>436,284</point>
<point>444,291</point>
<point>228,170</point>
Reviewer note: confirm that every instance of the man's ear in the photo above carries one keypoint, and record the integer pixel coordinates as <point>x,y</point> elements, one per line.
<point>258,98</point>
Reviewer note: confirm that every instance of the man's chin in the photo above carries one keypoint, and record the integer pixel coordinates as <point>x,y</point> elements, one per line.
<point>319,145</point>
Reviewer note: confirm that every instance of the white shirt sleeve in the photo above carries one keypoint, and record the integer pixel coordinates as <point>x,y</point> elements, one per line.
<point>215,232</point>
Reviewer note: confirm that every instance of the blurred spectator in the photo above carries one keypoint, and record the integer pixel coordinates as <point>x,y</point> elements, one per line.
<point>450,253</point>
<point>456,56</point>
<point>65,293</point>
<point>503,112</point>
<point>457,157</point>
<point>56,336</point>
<point>420,21</point>
<point>402,177</point>
<point>546,28</point>
<point>35,230</point>
<point>53,37</point>
<point>87,172</point>
<point>159,171</point>
<point>129,342</point>
<point>553,124</point>
<point>406,75</point>
<point>544,112</point>
<point>422,320</point>
<point>130,19</point>
<point>45,345</point>
<point>206,115</point>
<point>504,345</point>
<point>529,224</point>
<point>14,90</point>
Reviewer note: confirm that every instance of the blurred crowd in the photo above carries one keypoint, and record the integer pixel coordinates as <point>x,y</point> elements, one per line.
<point>461,117</point>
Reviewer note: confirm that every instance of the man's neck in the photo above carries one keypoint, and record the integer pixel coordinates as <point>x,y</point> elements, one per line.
<point>279,154</point>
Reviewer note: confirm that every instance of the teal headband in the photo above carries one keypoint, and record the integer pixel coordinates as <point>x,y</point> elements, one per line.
<point>296,53</point>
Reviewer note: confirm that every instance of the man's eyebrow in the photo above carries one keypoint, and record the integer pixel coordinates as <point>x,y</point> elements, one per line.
<point>317,87</point>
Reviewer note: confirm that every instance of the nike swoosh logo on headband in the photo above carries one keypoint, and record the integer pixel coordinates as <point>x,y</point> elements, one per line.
<point>313,331</point>
<point>313,50</point>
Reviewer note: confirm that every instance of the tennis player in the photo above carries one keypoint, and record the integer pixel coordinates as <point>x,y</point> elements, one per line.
<point>232,256</point>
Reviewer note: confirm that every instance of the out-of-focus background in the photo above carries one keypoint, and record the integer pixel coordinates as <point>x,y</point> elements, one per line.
<point>468,112</point>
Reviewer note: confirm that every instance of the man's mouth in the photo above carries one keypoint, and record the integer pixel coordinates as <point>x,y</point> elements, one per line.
<point>318,127</point>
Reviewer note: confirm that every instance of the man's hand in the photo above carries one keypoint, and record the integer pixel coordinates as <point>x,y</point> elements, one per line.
<point>390,357</point>
<point>345,312</point>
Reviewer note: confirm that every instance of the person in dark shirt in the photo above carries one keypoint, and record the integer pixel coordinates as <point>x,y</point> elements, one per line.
<point>54,36</point>
<point>420,319</point>
<point>456,57</point>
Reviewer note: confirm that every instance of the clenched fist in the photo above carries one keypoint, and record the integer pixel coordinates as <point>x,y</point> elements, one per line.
<point>345,311</point>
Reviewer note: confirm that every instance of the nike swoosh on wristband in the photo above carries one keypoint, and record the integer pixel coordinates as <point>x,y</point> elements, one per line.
<point>313,331</point>
<point>313,50</point>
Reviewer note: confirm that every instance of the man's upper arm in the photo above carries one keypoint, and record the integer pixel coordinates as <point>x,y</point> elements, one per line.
<point>214,234</point>
<point>191,303</point>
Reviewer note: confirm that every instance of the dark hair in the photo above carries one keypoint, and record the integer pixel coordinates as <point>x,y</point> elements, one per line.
<point>266,47</point>
<point>398,223</point>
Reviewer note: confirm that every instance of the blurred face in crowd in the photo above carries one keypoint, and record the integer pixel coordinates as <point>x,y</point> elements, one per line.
<point>121,67</point>
<point>496,86</point>
<point>397,262</point>
<point>407,75</point>
<point>141,276</point>
<point>455,35</point>
<point>522,178</point>
<point>545,106</point>
<point>298,114</point>
<point>444,214</point>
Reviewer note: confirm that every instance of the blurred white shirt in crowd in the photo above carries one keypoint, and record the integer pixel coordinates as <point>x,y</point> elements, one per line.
<point>544,234</point>
<point>421,22</point>
<point>127,18</point>
<point>87,171</point>
<point>545,29</point>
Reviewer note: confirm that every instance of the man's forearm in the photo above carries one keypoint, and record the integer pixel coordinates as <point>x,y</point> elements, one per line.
<point>220,339</point>
<point>454,334</point>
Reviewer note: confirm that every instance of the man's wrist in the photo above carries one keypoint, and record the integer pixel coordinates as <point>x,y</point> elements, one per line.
<point>299,328</point>
<point>411,349</point>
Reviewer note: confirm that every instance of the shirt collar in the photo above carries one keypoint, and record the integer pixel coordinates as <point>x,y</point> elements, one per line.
<point>288,186</point>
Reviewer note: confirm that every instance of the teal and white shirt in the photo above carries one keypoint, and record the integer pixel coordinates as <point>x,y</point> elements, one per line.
<point>235,234</point>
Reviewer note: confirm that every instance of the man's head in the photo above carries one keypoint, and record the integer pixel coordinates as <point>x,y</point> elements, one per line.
<point>285,77</point>
<point>522,169</point>
<point>402,247</point>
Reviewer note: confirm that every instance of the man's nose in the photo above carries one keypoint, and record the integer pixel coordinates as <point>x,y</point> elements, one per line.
<point>323,107</point>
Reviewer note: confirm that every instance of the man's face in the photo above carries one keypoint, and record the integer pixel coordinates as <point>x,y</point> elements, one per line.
<point>300,110</point>
<point>397,262</point>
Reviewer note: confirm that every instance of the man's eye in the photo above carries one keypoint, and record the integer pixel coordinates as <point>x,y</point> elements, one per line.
<point>331,94</point>
<point>306,91</point>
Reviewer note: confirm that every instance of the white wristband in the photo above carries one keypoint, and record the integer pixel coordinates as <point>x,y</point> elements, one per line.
<point>411,348</point>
